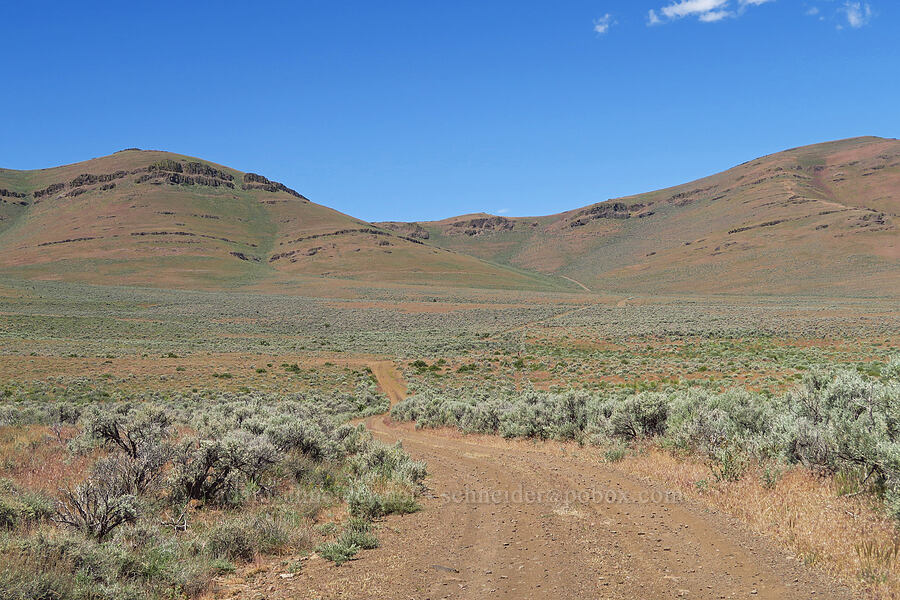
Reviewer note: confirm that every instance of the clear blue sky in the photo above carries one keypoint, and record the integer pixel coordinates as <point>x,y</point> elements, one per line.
<point>423,110</point>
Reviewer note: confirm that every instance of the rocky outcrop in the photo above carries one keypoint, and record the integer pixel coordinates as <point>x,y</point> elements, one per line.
<point>197,168</point>
<point>11,194</point>
<point>69,241</point>
<point>50,189</point>
<point>78,184</point>
<point>604,210</point>
<point>187,234</point>
<point>333,233</point>
<point>480,226</point>
<point>254,181</point>
<point>255,178</point>
<point>89,179</point>
<point>364,230</point>
<point>158,177</point>
<point>757,226</point>
<point>347,231</point>
<point>172,166</point>
<point>413,230</point>
<point>242,256</point>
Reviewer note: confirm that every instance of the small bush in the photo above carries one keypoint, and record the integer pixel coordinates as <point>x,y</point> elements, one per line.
<point>336,552</point>
<point>615,453</point>
<point>233,539</point>
<point>100,504</point>
<point>358,532</point>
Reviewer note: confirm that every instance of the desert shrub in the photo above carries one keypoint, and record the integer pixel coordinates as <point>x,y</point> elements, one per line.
<point>337,552</point>
<point>728,463</point>
<point>399,503</point>
<point>139,438</point>
<point>291,433</point>
<point>21,507</point>
<point>122,535</point>
<point>215,470</point>
<point>273,533</point>
<point>358,532</point>
<point>362,502</point>
<point>100,504</point>
<point>20,580</point>
<point>531,413</point>
<point>641,415</point>
<point>833,421</point>
<point>844,421</point>
<point>379,460</point>
<point>234,539</point>
<point>329,477</point>
<point>357,535</point>
<point>615,452</point>
<point>140,564</point>
<point>707,422</point>
<point>133,431</point>
<point>561,416</point>
<point>240,536</point>
<point>892,369</point>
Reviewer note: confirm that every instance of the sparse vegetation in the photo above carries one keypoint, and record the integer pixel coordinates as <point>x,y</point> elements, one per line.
<point>186,490</point>
<point>834,421</point>
<point>123,442</point>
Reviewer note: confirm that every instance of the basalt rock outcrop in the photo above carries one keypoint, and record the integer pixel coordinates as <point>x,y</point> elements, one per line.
<point>481,226</point>
<point>173,172</point>
<point>254,181</point>
<point>604,210</point>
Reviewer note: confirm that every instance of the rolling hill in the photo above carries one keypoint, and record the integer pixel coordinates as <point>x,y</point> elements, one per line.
<point>165,220</point>
<point>815,220</point>
<point>818,220</point>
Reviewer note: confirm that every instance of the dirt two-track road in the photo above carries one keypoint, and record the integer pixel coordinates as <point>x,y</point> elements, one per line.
<point>517,519</point>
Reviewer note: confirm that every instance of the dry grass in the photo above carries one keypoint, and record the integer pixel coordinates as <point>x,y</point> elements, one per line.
<point>35,458</point>
<point>135,373</point>
<point>850,538</point>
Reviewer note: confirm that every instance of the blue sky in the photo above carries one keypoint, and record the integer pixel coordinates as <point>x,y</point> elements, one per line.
<point>423,110</point>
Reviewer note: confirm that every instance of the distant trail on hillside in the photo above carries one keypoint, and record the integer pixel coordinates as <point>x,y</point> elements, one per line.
<point>522,519</point>
<point>576,282</point>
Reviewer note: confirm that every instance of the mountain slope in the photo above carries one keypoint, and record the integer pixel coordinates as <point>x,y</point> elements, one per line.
<point>815,220</point>
<point>161,219</point>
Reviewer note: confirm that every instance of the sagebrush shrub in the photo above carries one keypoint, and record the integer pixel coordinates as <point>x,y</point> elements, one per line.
<point>100,504</point>
<point>833,421</point>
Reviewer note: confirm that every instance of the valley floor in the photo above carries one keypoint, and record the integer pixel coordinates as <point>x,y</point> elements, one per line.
<point>513,518</point>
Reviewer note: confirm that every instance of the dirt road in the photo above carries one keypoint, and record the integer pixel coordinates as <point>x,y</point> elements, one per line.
<point>518,519</point>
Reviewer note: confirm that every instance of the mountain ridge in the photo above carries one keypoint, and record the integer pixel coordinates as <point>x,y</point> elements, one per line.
<point>817,219</point>
<point>146,217</point>
<point>749,218</point>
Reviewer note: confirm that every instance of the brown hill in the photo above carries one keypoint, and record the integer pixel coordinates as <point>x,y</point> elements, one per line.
<point>161,219</point>
<point>820,219</point>
<point>815,220</point>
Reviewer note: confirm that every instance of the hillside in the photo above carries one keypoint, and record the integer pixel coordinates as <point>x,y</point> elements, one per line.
<point>165,220</point>
<point>817,220</point>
